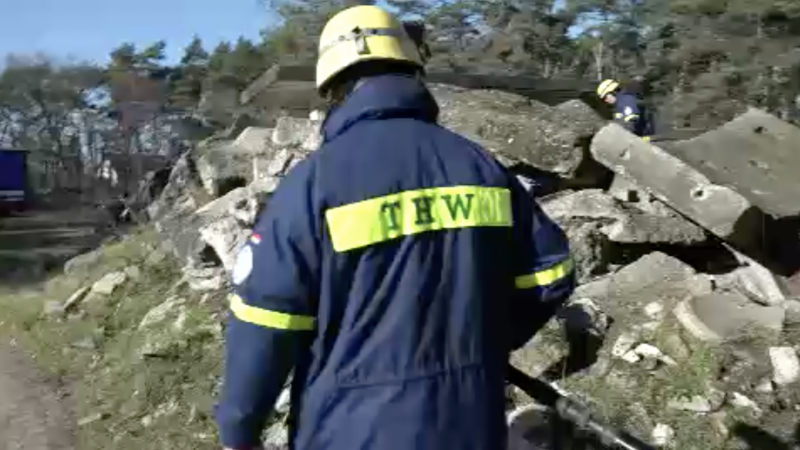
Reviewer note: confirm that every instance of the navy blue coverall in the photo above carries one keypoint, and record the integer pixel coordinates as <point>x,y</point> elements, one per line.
<point>632,115</point>
<point>393,270</point>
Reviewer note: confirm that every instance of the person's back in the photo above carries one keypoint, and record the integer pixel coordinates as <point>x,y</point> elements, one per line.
<point>401,263</point>
<point>417,324</point>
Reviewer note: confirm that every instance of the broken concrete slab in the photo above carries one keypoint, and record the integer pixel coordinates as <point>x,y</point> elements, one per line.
<point>622,223</point>
<point>718,208</point>
<point>593,220</point>
<point>653,278</point>
<point>756,154</point>
<point>723,315</point>
<point>515,128</point>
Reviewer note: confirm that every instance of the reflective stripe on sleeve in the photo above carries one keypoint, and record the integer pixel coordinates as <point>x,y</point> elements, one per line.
<point>544,277</point>
<point>630,117</point>
<point>267,318</point>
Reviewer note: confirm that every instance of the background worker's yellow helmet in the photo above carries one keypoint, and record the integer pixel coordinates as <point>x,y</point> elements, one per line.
<point>358,34</point>
<point>607,87</point>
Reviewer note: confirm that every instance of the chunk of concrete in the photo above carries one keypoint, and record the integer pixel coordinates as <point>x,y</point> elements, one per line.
<point>785,365</point>
<point>655,277</point>
<point>622,223</point>
<point>753,280</point>
<point>109,283</point>
<point>254,140</point>
<point>294,132</point>
<point>718,316</point>
<point>518,130</point>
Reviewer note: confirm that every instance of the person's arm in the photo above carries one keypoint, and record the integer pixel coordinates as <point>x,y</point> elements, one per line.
<point>543,271</point>
<point>272,311</point>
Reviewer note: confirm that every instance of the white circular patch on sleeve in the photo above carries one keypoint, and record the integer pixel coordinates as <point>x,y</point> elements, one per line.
<point>244,265</point>
<point>628,110</point>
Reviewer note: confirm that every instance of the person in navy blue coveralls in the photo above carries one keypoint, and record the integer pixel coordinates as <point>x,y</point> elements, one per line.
<point>392,272</point>
<point>629,112</point>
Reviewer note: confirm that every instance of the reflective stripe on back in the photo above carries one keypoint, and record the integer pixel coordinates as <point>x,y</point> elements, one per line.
<point>381,219</point>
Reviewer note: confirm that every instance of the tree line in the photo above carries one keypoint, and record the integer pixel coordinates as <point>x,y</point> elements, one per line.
<point>695,60</point>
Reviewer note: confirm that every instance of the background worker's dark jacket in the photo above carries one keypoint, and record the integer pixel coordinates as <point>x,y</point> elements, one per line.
<point>395,269</point>
<point>632,114</point>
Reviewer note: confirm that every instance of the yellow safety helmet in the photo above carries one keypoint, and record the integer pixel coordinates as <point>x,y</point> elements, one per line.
<point>607,87</point>
<point>362,33</point>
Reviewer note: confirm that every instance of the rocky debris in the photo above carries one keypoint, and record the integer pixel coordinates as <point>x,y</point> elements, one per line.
<point>592,219</point>
<point>717,208</point>
<point>696,403</point>
<point>109,283</point>
<point>653,278</point>
<point>218,104</point>
<point>623,223</point>
<point>226,222</point>
<point>160,313</point>
<point>276,437</point>
<point>82,261</point>
<point>76,298</point>
<point>755,281</point>
<point>53,308</point>
<point>647,352</point>
<point>519,130</point>
<point>735,181</point>
<point>291,132</point>
<point>662,435</point>
<point>205,279</point>
<point>756,155</point>
<point>148,191</point>
<point>626,190</point>
<point>653,299</point>
<point>90,419</point>
<point>785,364</point>
<point>741,401</point>
<point>86,343</point>
<point>719,316</point>
<point>254,140</point>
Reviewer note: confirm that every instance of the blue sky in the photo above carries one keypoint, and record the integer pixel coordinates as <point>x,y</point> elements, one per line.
<point>89,29</point>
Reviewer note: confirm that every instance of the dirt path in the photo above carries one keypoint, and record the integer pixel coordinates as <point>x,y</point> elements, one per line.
<point>35,413</point>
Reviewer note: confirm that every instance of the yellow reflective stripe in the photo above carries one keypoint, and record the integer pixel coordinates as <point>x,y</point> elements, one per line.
<point>267,318</point>
<point>618,115</point>
<point>544,277</point>
<point>631,117</point>
<point>410,212</point>
<point>646,138</point>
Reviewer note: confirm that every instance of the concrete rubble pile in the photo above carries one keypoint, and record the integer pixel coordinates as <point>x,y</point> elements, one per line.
<point>680,246</point>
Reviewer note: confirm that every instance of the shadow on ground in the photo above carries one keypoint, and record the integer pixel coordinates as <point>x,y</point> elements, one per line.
<point>36,243</point>
<point>754,438</point>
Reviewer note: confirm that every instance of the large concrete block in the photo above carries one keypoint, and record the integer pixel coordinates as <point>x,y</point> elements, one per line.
<point>716,207</point>
<point>757,154</point>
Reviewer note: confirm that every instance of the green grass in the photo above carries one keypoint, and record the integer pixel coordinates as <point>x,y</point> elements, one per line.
<point>137,402</point>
